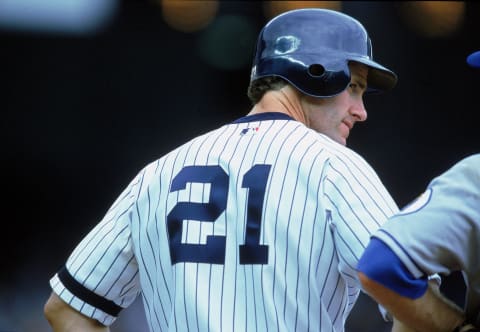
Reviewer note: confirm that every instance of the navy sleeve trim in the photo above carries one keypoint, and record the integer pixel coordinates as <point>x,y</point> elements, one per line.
<point>86,295</point>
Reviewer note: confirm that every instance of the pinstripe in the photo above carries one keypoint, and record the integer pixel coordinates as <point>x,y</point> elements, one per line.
<point>160,298</point>
<point>84,245</point>
<point>168,298</point>
<point>288,226</point>
<point>311,246</point>
<point>150,308</point>
<point>164,301</point>
<point>175,167</point>
<point>367,178</point>
<point>218,161</point>
<point>321,201</point>
<point>344,241</point>
<point>252,268</point>
<point>194,162</point>
<point>333,298</point>
<point>360,183</point>
<point>109,269</point>
<point>199,237</point>
<point>276,218</point>
<point>274,137</point>
<point>254,157</point>
<point>117,279</point>
<point>216,141</point>
<point>128,285</point>
<point>173,156</point>
<point>339,210</point>
<point>151,246</point>
<point>356,195</point>
<point>198,240</point>
<point>324,284</point>
<point>226,228</point>
<point>239,241</point>
<point>185,289</point>
<point>245,283</point>
<point>294,192</point>
<point>177,270</point>
<point>104,254</point>
<point>300,238</point>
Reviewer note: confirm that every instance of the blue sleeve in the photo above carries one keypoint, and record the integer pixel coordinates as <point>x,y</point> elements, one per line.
<point>380,264</point>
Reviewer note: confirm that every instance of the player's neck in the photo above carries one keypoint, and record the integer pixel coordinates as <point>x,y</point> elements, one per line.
<point>285,100</point>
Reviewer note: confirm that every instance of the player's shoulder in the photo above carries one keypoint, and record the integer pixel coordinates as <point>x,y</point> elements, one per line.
<point>343,160</point>
<point>342,154</point>
<point>464,173</point>
<point>468,165</point>
<point>471,160</point>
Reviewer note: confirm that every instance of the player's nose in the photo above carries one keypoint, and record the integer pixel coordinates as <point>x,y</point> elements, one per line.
<point>358,111</point>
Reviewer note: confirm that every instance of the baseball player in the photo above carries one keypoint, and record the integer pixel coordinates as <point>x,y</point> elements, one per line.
<point>438,233</point>
<point>257,225</point>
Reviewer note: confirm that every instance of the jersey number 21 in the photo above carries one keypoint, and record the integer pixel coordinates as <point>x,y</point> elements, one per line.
<point>213,252</point>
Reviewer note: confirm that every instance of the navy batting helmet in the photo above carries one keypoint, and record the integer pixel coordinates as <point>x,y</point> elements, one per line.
<point>311,48</point>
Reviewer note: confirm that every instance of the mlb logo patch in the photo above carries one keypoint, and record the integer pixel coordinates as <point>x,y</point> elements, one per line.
<point>251,130</point>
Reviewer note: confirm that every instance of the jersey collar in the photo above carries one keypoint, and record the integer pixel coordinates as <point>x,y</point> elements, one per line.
<point>264,116</point>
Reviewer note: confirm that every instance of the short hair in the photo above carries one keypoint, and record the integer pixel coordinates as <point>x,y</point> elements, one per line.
<point>260,86</point>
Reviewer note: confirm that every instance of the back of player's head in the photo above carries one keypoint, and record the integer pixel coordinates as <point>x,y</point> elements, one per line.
<point>474,59</point>
<point>311,49</point>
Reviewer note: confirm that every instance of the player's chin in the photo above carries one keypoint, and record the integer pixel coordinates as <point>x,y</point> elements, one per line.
<point>342,135</point>
<point>342,138</point>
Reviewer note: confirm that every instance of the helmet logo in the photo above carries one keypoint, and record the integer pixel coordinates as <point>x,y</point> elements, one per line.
<point>286,44</point>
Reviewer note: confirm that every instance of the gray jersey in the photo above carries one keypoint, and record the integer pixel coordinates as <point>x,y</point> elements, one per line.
<point>440,231</point>
<point>255,226</point>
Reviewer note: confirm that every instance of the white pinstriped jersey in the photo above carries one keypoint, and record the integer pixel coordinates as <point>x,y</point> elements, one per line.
<point>440,231</point>
<point>255,226</point>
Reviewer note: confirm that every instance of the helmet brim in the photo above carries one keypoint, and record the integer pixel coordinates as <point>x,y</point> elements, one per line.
<point>379,78</point>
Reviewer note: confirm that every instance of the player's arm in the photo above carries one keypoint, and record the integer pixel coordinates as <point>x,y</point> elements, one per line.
<point>63,317</point>
<point>411,300</point>
<point>398,326</point>
<point>432,312</point>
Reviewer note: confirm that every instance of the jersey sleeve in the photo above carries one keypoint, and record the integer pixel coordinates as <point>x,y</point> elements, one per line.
<point>100,276</point>
<point>381,264</point>
<point>434,233</point>
<point>358,204</point>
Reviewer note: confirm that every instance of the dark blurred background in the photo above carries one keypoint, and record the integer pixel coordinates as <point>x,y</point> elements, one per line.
<point>94,90</point>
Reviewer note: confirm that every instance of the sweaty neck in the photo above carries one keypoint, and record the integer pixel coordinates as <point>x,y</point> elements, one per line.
<point>286,100</point>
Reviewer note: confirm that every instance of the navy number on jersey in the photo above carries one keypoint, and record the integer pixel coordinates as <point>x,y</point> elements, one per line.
<point>251,252</point>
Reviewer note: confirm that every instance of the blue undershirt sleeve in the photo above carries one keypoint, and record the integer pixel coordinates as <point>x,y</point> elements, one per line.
<point>380,264</point>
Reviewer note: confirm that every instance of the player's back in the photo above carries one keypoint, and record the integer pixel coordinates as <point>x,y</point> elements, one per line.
<point>231,232</point>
